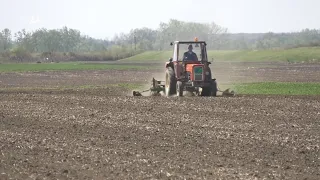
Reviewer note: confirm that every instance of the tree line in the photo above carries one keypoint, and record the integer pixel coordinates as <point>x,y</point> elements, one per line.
<point>68,43</point>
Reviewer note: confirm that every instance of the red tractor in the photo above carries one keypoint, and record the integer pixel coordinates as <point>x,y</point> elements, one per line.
<point>187,70</point>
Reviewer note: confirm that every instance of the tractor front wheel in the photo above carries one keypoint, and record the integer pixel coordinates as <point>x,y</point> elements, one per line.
<point>170,87</point>
<point>179,88</point>
<point>214,88</point>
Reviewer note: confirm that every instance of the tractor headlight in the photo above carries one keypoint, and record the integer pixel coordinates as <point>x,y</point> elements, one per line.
<point>207,73</point>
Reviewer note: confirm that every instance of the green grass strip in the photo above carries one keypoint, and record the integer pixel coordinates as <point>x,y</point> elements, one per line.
<point>64,66</point>
<point>305,54</point>
<point>278,88</point>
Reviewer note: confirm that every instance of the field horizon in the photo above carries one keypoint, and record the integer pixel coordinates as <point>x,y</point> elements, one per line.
<point>292,55</point>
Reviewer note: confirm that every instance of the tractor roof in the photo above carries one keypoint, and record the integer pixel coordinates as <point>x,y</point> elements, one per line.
<point>188,42</point>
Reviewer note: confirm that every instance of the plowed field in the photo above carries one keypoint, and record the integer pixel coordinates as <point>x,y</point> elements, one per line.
<point>103,133</point>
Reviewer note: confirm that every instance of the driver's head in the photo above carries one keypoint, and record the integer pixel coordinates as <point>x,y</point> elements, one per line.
<point>190,47</point>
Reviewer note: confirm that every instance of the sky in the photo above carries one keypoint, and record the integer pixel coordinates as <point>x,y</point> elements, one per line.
<point>105,18</point>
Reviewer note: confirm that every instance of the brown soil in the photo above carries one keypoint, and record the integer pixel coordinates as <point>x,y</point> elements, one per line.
<point>225,73</point>
<point>104,134</point>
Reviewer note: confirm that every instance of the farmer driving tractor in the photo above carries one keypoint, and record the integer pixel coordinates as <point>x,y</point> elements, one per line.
<point>190,55</point>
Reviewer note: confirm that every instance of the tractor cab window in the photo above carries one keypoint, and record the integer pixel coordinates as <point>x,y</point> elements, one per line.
<point>190,52</point>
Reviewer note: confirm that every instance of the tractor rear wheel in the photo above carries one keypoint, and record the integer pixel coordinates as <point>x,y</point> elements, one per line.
<point>214,88</point>
<point>170,87</point>
<point>206,91</point>
<point>211,90</point>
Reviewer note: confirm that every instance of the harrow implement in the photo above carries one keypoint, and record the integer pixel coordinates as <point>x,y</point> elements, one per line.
<point>158,86</point>
<point>155,89</point>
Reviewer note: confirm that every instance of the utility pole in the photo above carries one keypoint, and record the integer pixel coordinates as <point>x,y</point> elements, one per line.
<point>135,41</point>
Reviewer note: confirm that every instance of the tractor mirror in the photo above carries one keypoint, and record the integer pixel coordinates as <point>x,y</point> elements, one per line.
<point>171,44</point>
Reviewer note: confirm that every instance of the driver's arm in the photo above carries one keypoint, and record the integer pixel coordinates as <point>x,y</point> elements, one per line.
<point>195,56</point>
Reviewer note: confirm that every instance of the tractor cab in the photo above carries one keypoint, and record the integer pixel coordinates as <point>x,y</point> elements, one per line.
<point>189,51</point>
<point>189,57</point>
